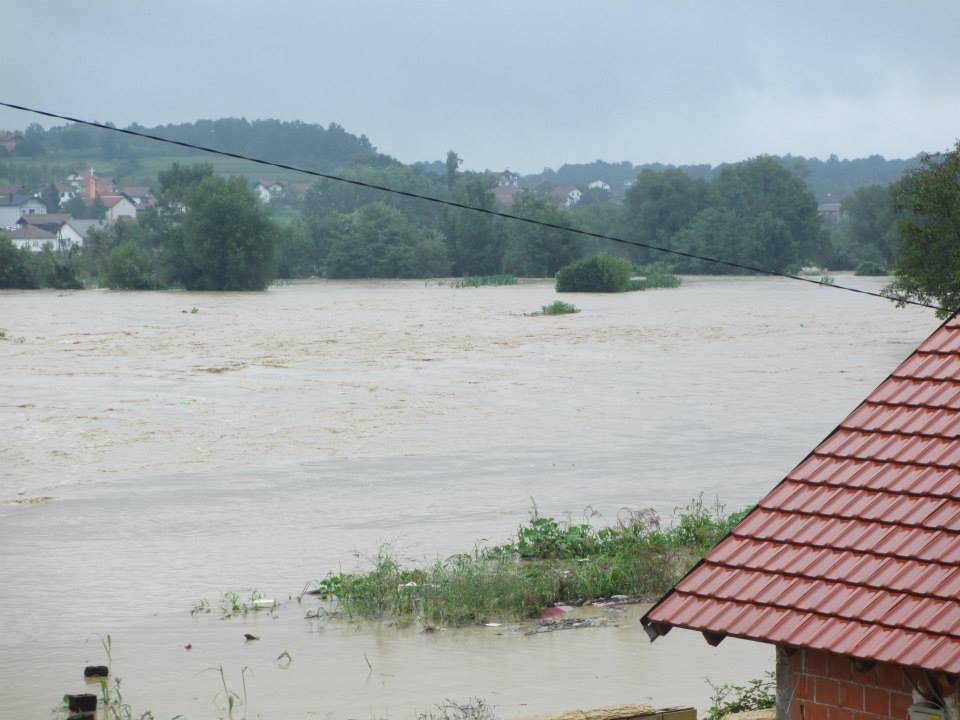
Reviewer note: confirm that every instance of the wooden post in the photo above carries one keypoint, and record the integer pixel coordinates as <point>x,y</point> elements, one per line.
<point>784,683</point>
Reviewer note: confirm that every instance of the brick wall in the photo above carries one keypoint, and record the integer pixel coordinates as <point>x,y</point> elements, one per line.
<point>830,687</point>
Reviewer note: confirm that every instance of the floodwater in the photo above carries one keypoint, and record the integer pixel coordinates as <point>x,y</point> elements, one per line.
<point>269,438</point>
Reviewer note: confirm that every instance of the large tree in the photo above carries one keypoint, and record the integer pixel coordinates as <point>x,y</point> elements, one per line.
<point>223,241</point>
<point>534,251</point>
<point>475,240</point>
<point>928,261</point>
<point>377,241</point>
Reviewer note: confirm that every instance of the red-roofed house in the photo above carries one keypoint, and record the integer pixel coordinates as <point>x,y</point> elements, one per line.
<point>851,565</point>
<point>118,206</point>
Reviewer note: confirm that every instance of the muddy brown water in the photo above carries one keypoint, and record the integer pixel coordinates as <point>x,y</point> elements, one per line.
<point>269,438</point>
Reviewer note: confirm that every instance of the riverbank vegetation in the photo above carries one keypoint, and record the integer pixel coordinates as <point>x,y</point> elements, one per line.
<point>548,562</point>
<point>212,232</point>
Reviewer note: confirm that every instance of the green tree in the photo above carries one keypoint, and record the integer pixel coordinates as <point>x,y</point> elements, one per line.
<point>658,206</point>
<point>225,239</point>
<point>780,209</point>
<point>870,225</point>
<point>51,198</point>
<point>14,266</point>
<point>179,180</point>
<point>475,240</point>
<point>453,164</point>
<point>129,267</point>
<point>377,241</point>
<point>533,251</point>
<point>928,261</point>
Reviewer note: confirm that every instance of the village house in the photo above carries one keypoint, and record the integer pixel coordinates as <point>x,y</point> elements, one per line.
<point>599,185</point>
<point>140,195</point>
<point>269,190</point>
<point>851,565</point>
<point>60,225</point>
<point>32,238</point>
<point>118,206</point>
<point>9,140</point>
<point>566,196</point>
<point>830,211</point>
<point>505,178</point>
<point>13,207</point>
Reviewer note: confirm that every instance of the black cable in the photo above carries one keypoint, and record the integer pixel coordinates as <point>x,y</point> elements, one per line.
<point>462,206</point>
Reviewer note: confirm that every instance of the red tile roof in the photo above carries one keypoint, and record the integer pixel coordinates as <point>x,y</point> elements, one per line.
<point>857,550</point>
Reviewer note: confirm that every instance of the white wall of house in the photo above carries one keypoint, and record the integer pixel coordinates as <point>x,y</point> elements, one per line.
<point>33,207</point>
<point>262,193</point>
<point>70,237</point>
<point>123,209</point>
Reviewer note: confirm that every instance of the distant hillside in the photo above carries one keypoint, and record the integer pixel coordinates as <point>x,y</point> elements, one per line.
<point>44,155</point>
<point>832,178</point>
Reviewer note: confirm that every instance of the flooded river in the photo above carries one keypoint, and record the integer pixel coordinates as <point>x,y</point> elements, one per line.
<point>265,439</point>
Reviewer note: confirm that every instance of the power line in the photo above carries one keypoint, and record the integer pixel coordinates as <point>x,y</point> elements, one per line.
<point>463,206</point>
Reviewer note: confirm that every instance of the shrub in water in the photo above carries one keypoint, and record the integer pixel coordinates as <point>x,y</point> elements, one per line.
<point>868,267</point>
<point>654,275</point>
<point>559,308</point>
<point>600,273</point>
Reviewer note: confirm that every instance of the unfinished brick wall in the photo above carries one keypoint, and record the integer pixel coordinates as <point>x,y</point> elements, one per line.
<point>831,687</point>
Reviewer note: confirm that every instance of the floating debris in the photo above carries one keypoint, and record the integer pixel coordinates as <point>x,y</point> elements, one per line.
<point>248,637</point>
<point>555,624</point>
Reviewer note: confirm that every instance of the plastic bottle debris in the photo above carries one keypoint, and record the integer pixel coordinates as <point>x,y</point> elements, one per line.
<point>264,604</point>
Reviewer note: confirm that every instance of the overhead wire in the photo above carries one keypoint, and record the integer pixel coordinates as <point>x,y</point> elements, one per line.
<point>464,206</point>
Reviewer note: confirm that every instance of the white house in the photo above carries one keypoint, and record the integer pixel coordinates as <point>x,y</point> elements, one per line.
<point>506,178</point>
<point>599,185</point>
<point>32,238</point>
<point>75,231</point>
<point>269,190</point>
<point>14,207</point>
<point>566,196</point>
<point>118,206</point>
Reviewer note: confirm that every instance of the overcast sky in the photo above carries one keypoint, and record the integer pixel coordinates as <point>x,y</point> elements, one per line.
<point>521,84</point>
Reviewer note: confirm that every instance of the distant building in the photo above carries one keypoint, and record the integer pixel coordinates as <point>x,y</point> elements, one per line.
<point>86,184</point>
<point>118,206</point>
<point>139,194</point>
<point>57,225</point>
<point>566,196</point>
<point>77,230</point>
<point>599,185</point>
<point>299,190</point>
<point>66,192</point>
<point>506,178</point>
<point>830,211</point>
<point>269,191</point>
<point>13,207</point>
<point>34,239</point>
<point>9,140</point>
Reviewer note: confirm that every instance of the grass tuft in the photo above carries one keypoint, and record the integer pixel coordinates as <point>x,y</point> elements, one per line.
<point>482,280</point>
<point>558,307</point>
<point>548,562</point>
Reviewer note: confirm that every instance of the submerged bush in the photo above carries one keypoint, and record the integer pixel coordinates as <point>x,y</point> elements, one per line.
<point>559,307</point>
<point>600,273</point>
<point>482,280</point>
<point>549,562</point>
<point>654,275</point>
<point>869,268</point>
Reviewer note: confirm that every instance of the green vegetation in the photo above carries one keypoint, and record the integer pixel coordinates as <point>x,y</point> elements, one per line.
<point>869,268</point>
<point>482,280</point>
<point>558,307</point>
<point>548,562</point>
<point>600,273</point>
<point>756,694</point>
<point>928,264</point>
<point>654,275</point>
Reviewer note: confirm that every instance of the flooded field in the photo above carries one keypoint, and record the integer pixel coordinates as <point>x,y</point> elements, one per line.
<point>154,455</point>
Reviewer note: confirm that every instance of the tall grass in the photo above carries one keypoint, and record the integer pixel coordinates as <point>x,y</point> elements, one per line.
<point>482,280</point>
<point>548,562</point>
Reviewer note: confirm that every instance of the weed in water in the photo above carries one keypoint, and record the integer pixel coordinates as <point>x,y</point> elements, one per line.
<point>548,562</point>
<point>473,709</point>
<point>484,280</point>
<point>558,307</point>
<point>756,694</point>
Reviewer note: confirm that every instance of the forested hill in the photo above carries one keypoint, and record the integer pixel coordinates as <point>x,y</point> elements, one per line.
<point>310,145</point>
<point>832,178</point>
